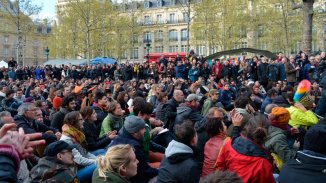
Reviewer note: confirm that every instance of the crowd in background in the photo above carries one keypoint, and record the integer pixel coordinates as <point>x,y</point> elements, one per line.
<point>175,120</point>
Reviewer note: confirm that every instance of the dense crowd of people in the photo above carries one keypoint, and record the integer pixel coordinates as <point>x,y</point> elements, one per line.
<point>182,120</point>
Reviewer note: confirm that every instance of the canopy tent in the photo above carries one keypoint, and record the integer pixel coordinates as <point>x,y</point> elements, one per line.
<point>65,62</point>
<point>3,64</point>
<point>267,54</point>
<point>102,60</point>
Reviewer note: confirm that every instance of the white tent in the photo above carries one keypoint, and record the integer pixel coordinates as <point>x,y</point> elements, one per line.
<point>3,64</point>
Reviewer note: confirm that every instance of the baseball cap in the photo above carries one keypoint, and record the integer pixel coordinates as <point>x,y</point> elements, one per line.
<point>56,147</point>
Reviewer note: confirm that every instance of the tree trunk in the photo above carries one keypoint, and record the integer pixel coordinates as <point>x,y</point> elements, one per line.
<point>88,47</point>
<point>307,26</point>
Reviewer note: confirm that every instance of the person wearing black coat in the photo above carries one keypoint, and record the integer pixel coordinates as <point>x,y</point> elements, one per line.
<point>262,72</point>
<point>132,133</point>
<point>93,141</point>
<point>170,109</point>
<point>178,164</point>
<point>310,164</point>
<point>25,120</point>
<point>68,104</point>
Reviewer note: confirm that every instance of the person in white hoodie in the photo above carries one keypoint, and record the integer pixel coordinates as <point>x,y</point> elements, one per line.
<point>179,155</point>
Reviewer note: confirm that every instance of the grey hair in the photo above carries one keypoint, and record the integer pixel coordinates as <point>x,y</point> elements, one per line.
<point>24,107</point>
<point>3,114</point>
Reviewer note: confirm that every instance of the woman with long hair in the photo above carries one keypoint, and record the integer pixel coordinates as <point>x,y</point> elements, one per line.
<point>245,154</point>
<point>94,143</point>
<point>73,135</point>
<point>216,131</point>
<point>117,166</point>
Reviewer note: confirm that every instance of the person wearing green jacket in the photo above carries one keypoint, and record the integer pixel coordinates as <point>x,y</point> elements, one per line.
<point>301,116</point>
<point>114,119</point>
<point>211,101</point>
<point>144,109</point>
<point>117,166</point>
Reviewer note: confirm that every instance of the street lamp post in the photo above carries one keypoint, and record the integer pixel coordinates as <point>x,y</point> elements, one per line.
<point>148,46</point>
<point>47,51</point>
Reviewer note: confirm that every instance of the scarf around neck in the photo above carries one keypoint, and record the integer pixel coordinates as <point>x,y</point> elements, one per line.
<point>73,132</point>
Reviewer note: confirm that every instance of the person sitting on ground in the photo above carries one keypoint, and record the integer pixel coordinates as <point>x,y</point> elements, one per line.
<point>189,110</point>
<point>179,155</point>
<point>276,140</point>
<point>117,166</point>
<point>256,162</point>
<point>210,102</point>
<point>216,131</point>
<point>9,103</point>
<point>132,133</point>
<point>114,120</point>
<point>162,100</point>
<point>226,97</point>
<point>93,141</point>
<point>271,94</point>
<point>73,135</point>
<point>68,104</point>
<point>56,166</point>
<point>310,164</point>
<point>26,119</point>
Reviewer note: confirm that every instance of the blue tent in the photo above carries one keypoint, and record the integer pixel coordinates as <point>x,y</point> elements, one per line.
<point>103,60</point>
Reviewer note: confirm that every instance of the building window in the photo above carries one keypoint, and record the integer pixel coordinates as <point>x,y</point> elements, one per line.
<point>147,4</point>
<point>135,38</point>
<point>134,54</point>
<point>159,3</point>
<point>159,37</point>
<point>146,20</point>
<point>147,37</point>
<point>6,51</point>
<point>260,31</point>
<point>6,38</point>
<point>184,35</point>
<point>159,19</point>
<point>200,49</point>
<point>173,48</point>
<point>184,48</point>
<point>172,18</point>
<point>243,32</point>
<point>124,54</point>
<point>173,35</point>
<point>158,49</point>
<point>185,17</point>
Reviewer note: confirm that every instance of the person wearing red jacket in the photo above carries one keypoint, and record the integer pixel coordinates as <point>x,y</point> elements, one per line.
<point>216,70</point>
<point>245,154</point>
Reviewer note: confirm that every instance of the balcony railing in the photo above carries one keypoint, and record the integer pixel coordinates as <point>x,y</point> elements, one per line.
<point>145,40</point>
<point>173,39</point>
<point>159,40</point>
<point>160,22</point>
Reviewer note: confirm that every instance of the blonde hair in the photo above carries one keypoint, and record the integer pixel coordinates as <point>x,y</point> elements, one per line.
<point>115,157</point>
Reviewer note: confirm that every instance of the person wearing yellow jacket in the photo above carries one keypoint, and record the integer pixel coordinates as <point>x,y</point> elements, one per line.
<point>301,116</point>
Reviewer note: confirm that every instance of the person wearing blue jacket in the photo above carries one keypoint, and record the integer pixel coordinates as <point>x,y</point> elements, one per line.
<point>132,133</point>
<point>180,71</point>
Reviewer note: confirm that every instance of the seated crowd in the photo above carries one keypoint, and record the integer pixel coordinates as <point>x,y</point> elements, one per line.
<point>162,130</point>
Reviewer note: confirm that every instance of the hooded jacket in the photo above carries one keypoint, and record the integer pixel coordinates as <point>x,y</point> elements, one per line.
<point>308,167</point>
<point>251,162</point>
<point>178,156</point>
<point>144,171</point>
<point>185,112</point>
<point>49,169</point>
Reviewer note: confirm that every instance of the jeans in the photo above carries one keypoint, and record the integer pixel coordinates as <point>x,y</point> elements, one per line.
<point>85,174</point>
<point>99,152</point>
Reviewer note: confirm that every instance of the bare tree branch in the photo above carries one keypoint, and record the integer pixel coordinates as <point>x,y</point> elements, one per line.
<point>295,5</point>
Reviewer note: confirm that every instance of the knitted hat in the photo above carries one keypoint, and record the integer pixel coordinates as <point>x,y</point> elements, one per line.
<point>133,124</point>
<point>281,115</point>
<point>315,139</point>
<point>57,102</point>
<point>302,94</point>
